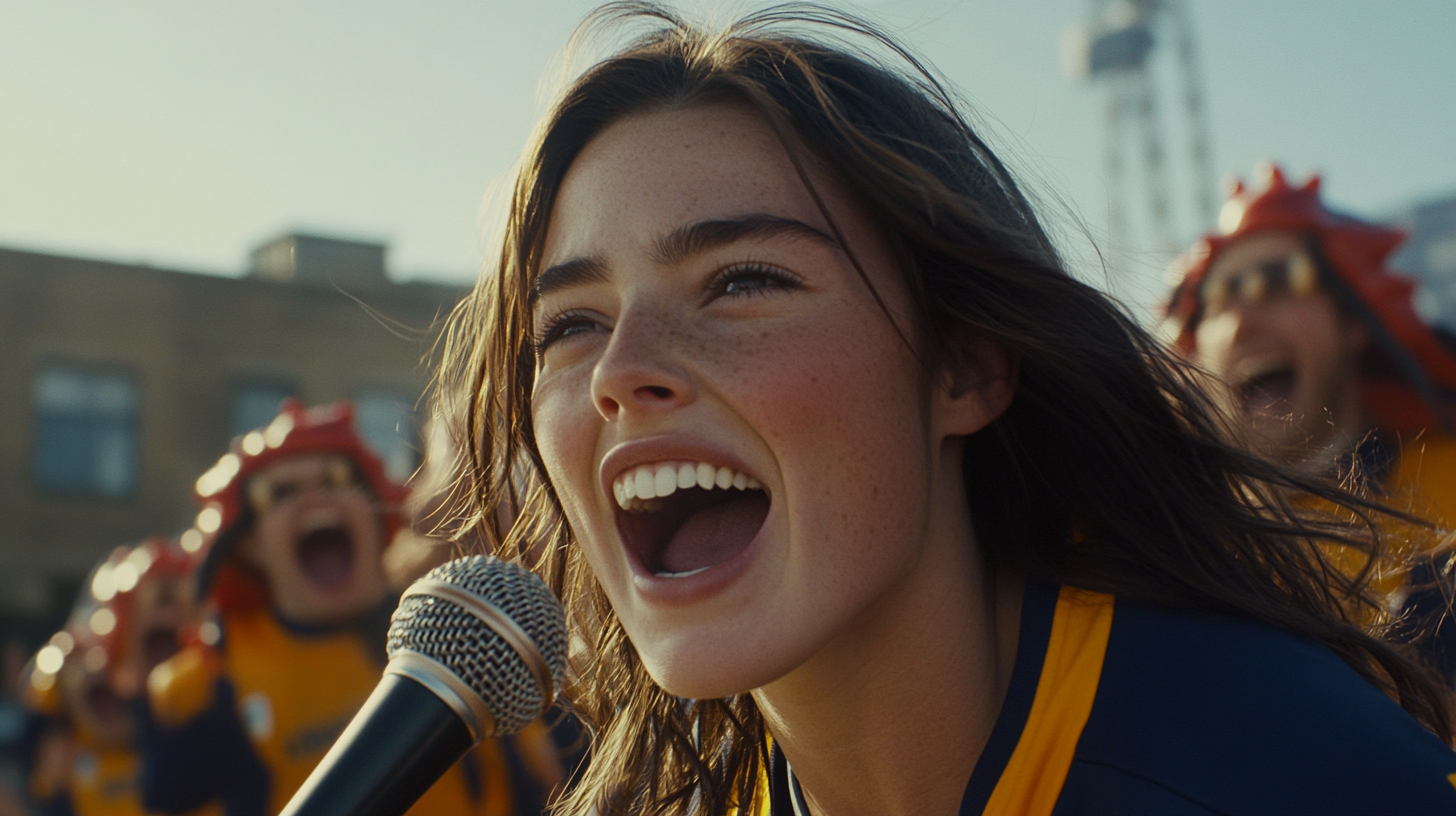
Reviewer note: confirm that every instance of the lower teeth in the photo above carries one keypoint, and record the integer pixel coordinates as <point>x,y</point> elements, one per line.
<point>682,574</point>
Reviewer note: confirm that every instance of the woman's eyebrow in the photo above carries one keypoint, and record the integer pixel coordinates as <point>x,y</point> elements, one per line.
<point>567,274</point>
<point>677,246</point>
<point>691,239</point>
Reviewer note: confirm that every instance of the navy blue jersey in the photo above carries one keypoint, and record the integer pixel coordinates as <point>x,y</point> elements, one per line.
<point>1120,708</point>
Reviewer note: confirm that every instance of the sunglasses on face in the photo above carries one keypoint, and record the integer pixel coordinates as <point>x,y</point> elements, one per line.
<point>264,494</point>
<point>1294,275</point>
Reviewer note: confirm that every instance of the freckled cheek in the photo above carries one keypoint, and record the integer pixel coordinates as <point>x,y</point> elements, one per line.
<point>274,541</point>
<point>838,404</point>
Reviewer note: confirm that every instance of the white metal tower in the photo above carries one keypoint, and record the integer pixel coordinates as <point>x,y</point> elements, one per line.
<point>1113,50</point>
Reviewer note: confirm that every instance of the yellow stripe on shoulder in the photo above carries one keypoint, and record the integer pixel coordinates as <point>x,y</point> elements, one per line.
<point>1038,767</point>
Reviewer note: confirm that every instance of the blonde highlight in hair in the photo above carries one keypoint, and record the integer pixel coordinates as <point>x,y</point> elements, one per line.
<point>1108,435</point>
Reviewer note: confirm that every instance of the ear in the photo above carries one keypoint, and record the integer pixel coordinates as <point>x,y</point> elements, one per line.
<point>975,386</point>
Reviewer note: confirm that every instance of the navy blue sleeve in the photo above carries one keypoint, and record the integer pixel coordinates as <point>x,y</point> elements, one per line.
<point>206,760</point>
<point>1208,714</point>
<point>58,805</point>
<point>1108,791</point>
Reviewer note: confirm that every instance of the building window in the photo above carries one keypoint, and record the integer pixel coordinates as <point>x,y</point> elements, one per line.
<point>256,403</point>
<point>386,422</point>
<point>85,431</point>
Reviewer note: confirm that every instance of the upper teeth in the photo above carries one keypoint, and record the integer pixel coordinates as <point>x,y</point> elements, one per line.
<point>655,481</point>
<point>321,517</point>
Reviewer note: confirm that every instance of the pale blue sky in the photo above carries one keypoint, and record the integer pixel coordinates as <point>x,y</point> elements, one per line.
<point>182,133</point>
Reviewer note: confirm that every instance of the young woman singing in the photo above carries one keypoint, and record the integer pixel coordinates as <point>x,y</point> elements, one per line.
<point>860,504</point>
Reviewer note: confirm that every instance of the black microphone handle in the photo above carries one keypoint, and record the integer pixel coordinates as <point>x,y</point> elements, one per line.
<point>396,747</point>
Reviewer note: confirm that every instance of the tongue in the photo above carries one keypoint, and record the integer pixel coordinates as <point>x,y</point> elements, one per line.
<point>327,557</point>
<point>715,534</point>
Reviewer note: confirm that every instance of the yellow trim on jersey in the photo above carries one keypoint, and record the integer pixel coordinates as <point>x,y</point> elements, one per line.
<point>1038,767</point>
<point>106,783</point>
<point>762,804</point>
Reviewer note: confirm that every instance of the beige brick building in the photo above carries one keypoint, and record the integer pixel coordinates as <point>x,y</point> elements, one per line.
<point>120,384</point>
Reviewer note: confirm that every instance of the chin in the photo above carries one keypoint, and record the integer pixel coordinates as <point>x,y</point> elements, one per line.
<point>340,609</point>
<point>703,666</point>
<point>705,681</point>
<point>309,603</point>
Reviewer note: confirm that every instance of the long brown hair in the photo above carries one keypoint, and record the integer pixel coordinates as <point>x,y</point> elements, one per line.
<point>1109,470</point>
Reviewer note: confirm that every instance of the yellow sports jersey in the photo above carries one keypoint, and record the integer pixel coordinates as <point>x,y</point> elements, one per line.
<point>1423,479</point>
<point>294,695</point>
<point>105,783</point>
<point>288,694</point>
<point>1415,475</point>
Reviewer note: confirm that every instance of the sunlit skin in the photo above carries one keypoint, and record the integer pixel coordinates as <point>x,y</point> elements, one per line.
<point>1304,335</point>
<point>312,502</point>
<point>862,604</point>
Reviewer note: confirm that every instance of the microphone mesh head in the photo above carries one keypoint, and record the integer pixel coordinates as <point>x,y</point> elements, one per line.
<point>443,630</point>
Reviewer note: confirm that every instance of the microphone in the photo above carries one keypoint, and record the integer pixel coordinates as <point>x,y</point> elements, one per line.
<point>476,649</point>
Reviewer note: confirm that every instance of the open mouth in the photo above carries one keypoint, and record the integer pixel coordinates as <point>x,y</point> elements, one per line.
<point>1270,393</point>
<point>326,556</point>
<point>681,518</point>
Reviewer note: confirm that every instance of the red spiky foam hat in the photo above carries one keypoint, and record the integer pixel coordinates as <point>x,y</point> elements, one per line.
<point>93,639</point>
<point>296,431</point>
<point>120,581</point>
<point>1357,252</point>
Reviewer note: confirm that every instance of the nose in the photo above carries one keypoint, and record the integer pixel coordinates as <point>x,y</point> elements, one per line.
<point>639,374</point>
<point>1249,323</point>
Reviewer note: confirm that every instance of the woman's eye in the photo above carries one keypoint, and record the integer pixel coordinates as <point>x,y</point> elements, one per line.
<point>739,281</point>
<point>564,326</point>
